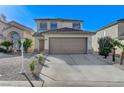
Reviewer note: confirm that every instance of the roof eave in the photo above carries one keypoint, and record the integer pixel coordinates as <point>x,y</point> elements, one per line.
<point>107,26</point>
<point>58,20</point>
<point>24,27</point>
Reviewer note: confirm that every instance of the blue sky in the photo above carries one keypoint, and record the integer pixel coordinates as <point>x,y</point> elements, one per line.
<point>94,16</point>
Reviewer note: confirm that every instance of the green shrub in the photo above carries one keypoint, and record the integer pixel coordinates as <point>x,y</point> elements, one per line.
<point>41,58</point>
<point>105,46</point>
<point>32,66</point>
<point>7,44</point>
<point>106,51</point>
<point>27,44</point>
<point>3,50</point>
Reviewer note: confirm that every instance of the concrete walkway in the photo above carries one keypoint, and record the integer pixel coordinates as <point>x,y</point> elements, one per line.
<point>80,70</point>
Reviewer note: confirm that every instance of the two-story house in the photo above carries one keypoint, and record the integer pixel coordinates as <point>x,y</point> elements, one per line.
<point>58,35</point>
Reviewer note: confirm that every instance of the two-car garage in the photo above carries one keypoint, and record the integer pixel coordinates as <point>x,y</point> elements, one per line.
<point>65,42</point>
<point>67,45</point>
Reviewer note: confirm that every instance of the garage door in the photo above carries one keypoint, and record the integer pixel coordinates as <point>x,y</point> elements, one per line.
<point>67,45</point>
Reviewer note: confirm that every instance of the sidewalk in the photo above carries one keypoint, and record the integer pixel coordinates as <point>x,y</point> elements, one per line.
<point>53,83</point>
<point>20,84</point>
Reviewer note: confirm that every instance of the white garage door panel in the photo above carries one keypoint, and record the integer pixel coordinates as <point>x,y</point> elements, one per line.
<point>68,45</point>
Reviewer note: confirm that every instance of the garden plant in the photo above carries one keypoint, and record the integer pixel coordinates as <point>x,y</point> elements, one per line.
<point>32,66</point>
<point>6,44</point>
<point>105,46</point>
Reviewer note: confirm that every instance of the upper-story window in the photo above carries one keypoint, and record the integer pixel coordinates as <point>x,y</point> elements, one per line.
<point>43,26</point>
<point>76,25</point>
<point>53,25</point>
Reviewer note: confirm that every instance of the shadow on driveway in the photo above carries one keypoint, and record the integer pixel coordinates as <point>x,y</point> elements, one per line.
<point>79,59</point>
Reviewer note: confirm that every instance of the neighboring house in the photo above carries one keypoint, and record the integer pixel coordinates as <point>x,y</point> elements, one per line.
<point>114,30</point>
<point>14,31</point>
<point>59,35</point>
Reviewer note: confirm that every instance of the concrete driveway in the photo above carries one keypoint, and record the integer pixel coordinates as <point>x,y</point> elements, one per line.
<point>80,70</point>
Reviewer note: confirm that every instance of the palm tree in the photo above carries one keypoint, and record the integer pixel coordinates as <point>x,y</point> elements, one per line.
<point>122,54</point>
<point>121,46</point>
<point>114,43</point>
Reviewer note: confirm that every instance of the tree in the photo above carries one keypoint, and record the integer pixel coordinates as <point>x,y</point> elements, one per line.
<point>105,46</point>
<point>6,44</point>
<point>27,44</point>
<point>122,53</point>
<point>114,44</point>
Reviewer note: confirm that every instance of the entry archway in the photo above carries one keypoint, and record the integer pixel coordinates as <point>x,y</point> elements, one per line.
<point>15,37</point>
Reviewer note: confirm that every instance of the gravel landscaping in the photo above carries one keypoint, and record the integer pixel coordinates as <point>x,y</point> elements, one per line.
<point>110,62</point>
<point>10,66</point>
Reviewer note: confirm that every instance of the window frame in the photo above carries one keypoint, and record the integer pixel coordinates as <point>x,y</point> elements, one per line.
<point>79,27</point>
<point>53,24</point>
<point>44,26</point>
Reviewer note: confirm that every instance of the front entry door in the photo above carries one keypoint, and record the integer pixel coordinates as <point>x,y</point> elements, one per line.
<point>41,45</point>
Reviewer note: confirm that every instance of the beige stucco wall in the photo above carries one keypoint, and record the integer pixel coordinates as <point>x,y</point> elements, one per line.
<point>2,25</point>
<point>110,31</point>
<point>60,24</point>
<point>47,36</point>
<point>121,28</point>
<point>67,24</point>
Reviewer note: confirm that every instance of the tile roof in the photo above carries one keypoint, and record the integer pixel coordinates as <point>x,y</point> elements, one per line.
<point>13,23</point>
<point>111,24</point>
<point>59,19</point>
<point>25,27</point>
<point>37,34</point>
<point>64,30</point>
<point>120,20</point>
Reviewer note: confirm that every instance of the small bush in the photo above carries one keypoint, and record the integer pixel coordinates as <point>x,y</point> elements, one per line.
<point>32,66</point>
<point>41,58</point>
